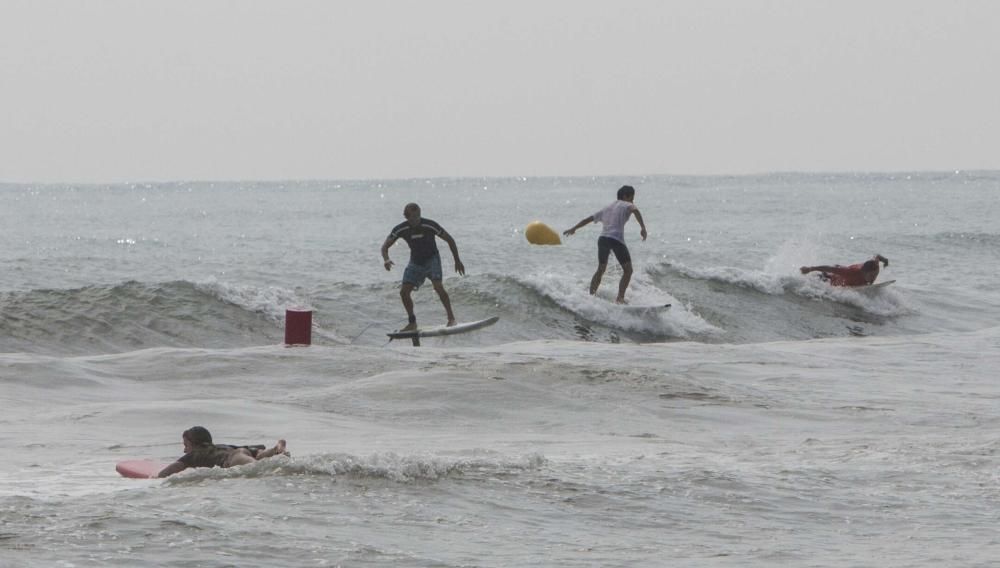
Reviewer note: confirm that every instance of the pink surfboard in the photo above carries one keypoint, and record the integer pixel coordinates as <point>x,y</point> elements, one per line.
<point>139,469</point>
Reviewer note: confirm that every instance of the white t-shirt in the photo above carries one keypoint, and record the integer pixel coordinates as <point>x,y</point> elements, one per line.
<point>614,217</point>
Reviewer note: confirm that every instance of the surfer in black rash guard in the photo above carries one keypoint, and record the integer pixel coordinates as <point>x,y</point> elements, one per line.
<point>425,262</point>
<point>199,451</point>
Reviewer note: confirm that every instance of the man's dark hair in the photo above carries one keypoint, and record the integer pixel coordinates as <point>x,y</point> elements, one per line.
<point>198,436</point>
<point>625,191</point>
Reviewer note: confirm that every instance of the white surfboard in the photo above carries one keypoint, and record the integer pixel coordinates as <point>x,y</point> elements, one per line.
<point>444,330</point>
<point>873,289</point>
<point>644,309</point>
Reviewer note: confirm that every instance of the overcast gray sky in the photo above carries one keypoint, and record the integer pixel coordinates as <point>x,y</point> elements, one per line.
<point>179,90</point>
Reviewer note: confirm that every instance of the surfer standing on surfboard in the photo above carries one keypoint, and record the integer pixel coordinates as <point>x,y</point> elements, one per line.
<point>612,238</point>
<point>425,261</point>
<point>861,274</point>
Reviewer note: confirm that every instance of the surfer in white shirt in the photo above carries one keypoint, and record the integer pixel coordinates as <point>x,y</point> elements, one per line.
<point>612,238</point>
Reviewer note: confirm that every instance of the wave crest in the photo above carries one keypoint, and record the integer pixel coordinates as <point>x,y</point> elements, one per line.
<point>388,466</point>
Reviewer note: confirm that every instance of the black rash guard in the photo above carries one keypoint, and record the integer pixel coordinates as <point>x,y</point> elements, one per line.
<point>420,238</point>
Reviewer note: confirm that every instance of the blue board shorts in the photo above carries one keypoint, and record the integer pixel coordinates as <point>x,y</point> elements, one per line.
<point>416,273</point>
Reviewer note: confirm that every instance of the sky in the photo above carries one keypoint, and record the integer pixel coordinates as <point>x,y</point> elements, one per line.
<point>170,90</point>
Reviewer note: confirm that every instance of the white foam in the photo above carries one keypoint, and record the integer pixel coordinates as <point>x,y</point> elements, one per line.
<point>270,301</point>
<point>573,295</point>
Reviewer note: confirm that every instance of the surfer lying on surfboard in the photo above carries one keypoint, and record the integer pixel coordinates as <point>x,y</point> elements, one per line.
<point>425,261</point>
<point>612,238</point>
<point>199,451</point>
<point>861,274</point>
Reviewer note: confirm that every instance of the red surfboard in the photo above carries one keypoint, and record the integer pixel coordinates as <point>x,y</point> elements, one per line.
<point>139,469</point>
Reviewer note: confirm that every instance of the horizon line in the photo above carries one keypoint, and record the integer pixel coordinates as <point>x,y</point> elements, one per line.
<point>956,171</point>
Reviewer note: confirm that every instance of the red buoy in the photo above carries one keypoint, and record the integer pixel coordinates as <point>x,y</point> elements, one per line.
<point>298,326</point>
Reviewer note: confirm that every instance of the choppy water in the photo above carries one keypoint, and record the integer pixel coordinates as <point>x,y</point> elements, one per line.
<point>764,419</point>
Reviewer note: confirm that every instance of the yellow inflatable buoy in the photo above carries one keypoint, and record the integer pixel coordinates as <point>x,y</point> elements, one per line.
<point>539,233</point>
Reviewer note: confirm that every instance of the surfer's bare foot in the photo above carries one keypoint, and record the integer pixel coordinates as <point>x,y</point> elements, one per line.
<point>621,301</point>
<point>281,448</point>
<point>410,327</point>
<point>278,448</point>
<point>451,322</point>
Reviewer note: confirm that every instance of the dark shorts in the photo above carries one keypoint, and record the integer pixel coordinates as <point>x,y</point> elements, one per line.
<point>415,273</point>
<point>217,455</point>
<point>208,456</point>
<point>604,247</point>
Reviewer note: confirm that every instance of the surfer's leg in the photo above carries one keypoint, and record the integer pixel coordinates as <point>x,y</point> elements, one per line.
<point>625,260</point>
<point>445,300</point>
<point>239,456</point>
<point>405,292</point>
<point>436,276</point>
<point>278,448</point>
<point>603,251</point>
<point>623,284</point>
<point>595,282</point>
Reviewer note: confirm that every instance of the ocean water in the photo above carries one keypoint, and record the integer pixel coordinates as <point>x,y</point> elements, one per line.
<point>764,419</point>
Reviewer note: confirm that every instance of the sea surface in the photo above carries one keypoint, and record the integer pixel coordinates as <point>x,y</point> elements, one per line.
<point>764,419</point>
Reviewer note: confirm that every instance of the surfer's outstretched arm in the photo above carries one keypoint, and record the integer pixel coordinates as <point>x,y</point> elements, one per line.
<point>459,267</point>
<point>586,221</point>
<point>824,269</point>
<point>389,241</point>
<point>176,467</point>
<point>642,225</point>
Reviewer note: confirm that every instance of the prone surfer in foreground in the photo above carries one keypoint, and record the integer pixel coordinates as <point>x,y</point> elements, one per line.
<point>199,451</point>
<point>860,274</point>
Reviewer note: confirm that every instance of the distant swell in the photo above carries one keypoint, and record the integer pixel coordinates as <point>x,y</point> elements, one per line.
<point>135,315</point>
<point>967,239</point>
